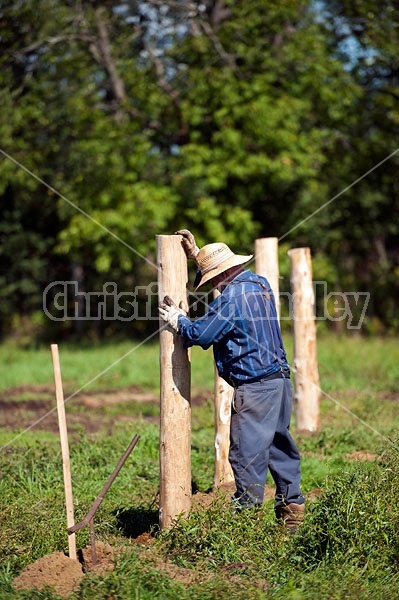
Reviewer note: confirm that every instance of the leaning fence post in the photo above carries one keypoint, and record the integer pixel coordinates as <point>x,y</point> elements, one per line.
<point>266,264</point>
<point>307,387</point>
<point>175,404</point>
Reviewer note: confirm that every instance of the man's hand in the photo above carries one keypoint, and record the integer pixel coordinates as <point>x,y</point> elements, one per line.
<point>188,242</point>
<point>169,313</point>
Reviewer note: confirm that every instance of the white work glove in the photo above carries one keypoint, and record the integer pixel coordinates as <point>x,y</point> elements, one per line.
<point>169,313</point>
<point>188,242</point>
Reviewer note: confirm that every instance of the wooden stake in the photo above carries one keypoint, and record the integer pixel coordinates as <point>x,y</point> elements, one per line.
<point>175,426</point>
<point>307,387</point>
<point>64,448</point>
<point>223,399</point>
<point>266,264</point>
<point>223,396</point>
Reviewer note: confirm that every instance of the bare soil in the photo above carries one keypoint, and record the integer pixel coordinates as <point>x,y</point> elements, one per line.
<point>35,407</point>
<point>61,573</point>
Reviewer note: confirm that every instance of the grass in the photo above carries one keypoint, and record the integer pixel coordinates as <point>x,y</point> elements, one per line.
<point>347,548</point>
<point>342,365</point>
<point>99,366</point>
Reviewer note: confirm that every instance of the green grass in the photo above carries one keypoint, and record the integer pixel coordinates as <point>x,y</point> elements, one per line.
<point>99,366</point>
<point>345,364</point>
<point>347,548</point>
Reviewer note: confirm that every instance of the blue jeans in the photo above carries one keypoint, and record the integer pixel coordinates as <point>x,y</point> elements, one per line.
<point>260,440</point>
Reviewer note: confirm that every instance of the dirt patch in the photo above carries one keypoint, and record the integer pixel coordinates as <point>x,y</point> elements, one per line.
<point>101,399</point>
<point>35,407</point>
<point>144,539</point>
<point>103,560</point>
<point>225,491</point>
<point>63,574</point>
<point>180,574</point>
<point>22,390</point>
<point>56,570</point>
<point>363,456</point>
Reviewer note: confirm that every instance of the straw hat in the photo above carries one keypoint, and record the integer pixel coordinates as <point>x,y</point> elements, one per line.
<point>214,259</point>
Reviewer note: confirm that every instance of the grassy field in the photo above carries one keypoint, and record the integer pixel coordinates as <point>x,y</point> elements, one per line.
<point>348,546</point>
<point>96,367</point>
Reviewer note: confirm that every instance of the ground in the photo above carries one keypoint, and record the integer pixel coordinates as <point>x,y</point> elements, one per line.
<point>64,573</point>
<point>22,406</point>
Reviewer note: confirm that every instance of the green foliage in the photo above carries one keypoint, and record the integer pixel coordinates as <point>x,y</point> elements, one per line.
<point>120,122</point>
<point>352,526</point>
<point>355,521</point>
<point>214,536</point>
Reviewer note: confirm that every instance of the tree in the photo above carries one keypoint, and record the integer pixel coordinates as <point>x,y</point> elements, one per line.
<point>235,119</point>
<point>363,239</point>
<point>75,123</point>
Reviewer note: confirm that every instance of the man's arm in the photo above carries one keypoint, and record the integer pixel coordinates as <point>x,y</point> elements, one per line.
<point>211,328</point>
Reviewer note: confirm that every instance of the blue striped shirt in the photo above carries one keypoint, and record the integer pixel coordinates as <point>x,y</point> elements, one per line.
<point>242,326</point>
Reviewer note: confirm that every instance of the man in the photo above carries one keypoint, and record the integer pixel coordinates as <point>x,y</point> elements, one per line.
<point>242,326</point>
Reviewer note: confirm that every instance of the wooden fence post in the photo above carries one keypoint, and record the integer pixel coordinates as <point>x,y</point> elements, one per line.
<point>66,464</point>
<point>223,396</point>
<point>266,264</point>
<point>175,425</point>
<point>307,388</point>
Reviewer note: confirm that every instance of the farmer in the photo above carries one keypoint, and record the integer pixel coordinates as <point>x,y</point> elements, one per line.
<point>242,326</point>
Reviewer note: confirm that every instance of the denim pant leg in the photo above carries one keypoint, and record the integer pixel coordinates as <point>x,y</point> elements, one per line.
<point>284,458</point>
<point>255,413</point>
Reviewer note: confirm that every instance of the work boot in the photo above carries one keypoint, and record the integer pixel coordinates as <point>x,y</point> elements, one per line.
<point>291,515</point>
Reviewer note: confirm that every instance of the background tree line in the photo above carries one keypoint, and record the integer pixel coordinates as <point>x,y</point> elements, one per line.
<point>235,119</point>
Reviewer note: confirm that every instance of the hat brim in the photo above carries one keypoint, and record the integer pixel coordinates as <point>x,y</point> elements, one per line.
<point>233,261</point>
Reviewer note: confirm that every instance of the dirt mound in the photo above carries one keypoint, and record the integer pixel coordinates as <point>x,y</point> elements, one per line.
<point>55,570</point>
<point>104,559</point>
<point>62,573</point>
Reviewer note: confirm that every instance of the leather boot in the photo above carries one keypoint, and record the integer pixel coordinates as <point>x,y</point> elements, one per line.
<point>291,515</point>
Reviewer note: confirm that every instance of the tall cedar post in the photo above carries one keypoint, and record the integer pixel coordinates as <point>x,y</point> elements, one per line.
<point>175,426</point>
<point>223,396</point>
<point>266,264</point>
<point>307,389</point>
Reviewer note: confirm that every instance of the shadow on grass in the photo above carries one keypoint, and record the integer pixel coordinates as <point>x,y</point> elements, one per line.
<point>133,522</point>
